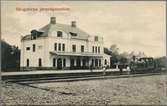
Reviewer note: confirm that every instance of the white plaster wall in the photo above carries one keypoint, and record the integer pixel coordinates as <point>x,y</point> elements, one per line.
<point>21,55</point>
<point>96,44</point>
<point>68,44</point>
<point>47,44</point>
<point>33,56</point>
<point>107,57</point>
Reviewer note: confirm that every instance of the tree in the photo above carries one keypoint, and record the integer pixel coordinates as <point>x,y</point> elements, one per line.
<point>10,57</point>
<point>114,49</point>
<point>125,57</point>
<point>115,55</point>
<point>123,60</point>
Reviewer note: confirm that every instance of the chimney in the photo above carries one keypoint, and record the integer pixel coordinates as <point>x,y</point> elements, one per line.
<point>73,24</point>
<point>53,20</point>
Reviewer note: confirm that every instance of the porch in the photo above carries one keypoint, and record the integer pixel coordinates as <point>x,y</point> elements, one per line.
<point>72,61</point>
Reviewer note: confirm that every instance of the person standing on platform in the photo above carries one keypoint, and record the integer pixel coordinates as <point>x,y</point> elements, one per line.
<point>104,69</point>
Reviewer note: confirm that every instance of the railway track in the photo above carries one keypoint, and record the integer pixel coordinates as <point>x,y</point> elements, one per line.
<point>33,79</point>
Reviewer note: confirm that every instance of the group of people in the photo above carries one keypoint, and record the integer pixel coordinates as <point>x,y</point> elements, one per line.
<point>104,69</point>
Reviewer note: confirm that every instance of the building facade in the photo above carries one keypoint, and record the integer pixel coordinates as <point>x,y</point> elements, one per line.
<point>60,46</point>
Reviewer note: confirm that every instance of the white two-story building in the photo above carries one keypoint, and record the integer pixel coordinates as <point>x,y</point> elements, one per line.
<point>60,46</point>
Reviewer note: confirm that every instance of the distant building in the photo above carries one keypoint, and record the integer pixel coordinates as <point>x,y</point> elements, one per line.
<point>60,46</point>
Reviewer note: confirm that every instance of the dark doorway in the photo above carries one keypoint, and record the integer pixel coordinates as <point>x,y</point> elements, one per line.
<point>92,64</point>
<point>59,63</point>
<point>84,62</point>
<point>28,62</point>
<point>40,62</point>
<point>54,62</point>
<point>96,62</point>
<point>64,62</point>
<point>78,63</point>
<point>99,62</point>
<point>72,63</point>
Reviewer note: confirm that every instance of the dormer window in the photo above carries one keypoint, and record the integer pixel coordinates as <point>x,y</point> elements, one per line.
<point>59,34</point>
<point>35,34</point>
<point>73,34</point>
<point>96,38</point>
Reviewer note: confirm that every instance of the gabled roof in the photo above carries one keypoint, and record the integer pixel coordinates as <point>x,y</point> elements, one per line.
<point>66,28</point>
<point>49,28</point>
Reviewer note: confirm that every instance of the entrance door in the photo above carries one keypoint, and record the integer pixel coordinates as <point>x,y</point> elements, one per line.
<point>59,63</point>
<point>72,63</point>
<point>78,63</point>
<point>84,63</point>
<point>96,62</point>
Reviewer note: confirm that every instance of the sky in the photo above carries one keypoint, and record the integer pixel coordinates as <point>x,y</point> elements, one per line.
<point>131,25</point>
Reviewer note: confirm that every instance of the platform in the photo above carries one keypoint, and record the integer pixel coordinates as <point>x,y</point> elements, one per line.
<point>36,72</point>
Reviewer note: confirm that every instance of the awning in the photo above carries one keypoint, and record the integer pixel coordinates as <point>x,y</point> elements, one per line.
<point>87,54</point>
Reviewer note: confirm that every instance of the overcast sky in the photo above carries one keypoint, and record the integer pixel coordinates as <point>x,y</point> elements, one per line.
<point>133,26</point>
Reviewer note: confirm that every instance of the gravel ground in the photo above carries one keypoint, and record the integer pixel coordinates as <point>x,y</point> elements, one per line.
<point>148,90</point>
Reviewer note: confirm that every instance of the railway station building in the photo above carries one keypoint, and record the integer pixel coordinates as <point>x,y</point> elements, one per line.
<point>60,46</point>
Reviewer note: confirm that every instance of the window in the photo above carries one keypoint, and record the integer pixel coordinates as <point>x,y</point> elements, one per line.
<point>27,48</point>
<point>96,49</point>
<point>82,48</point>
<point>59,34</point>
<point>93,49</point>
<point>96,38</point>
<point>105,62</point>
<point>55,46</point>
<point>63,47</point>
<point>40,62</point>
<point>59,46</point>
<point>27,62</point>
<point>74,48</point>
<point>99,49</point>
<point>64,62</point>
<point>33,47</point>
<point>34,34</point>
<point>33,37</point>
